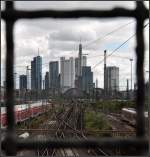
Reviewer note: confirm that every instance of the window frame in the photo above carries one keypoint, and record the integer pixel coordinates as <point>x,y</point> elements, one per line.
<point>11,15</point>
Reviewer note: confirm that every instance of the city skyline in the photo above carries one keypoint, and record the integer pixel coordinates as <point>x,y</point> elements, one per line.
<point>56,38</point>
<point>77,78</point>
<point>73,73</point>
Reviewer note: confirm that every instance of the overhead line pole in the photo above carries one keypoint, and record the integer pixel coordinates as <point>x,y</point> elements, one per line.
<point>131,72</point>
<point>119,46</point>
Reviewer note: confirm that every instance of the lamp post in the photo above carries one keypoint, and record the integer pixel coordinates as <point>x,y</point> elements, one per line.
<point>131,72</point>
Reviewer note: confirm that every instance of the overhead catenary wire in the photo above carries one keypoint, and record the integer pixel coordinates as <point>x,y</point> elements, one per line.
<point>113,51</point>
<point>122,57</point>
<point>100,38</point>
<point>113,31</point>
<point>117,48</point>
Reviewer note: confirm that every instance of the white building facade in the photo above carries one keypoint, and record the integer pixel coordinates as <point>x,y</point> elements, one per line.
<point>67,73</point>
<point>28,73</point>
<point>112,78</point>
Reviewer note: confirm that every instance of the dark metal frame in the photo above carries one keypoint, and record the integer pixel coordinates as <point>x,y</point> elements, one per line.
<point>11,144</point>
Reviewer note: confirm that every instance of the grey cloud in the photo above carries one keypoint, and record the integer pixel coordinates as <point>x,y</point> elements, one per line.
<point>60,37</point>
<point>2,5</point>
<point>73,34</point>
<point>62,46</point>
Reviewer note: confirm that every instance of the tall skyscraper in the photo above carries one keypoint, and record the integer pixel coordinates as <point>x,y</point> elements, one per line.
<point>87,79</point>
<point>84,61</point>
<point>77,65</point>
<point>76,68</point>
<point>54,74</point>
<point>23,82</point>
<point>112,78</point>
<point>80,59</point>
<point>36,73</point>
<point>96,83</point>
<point>47,80</point>
<point>28,73</point>
<point>67,73</point>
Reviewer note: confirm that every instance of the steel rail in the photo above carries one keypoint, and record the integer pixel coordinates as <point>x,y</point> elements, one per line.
<point>82,135</point>
<point>46,150</point>
<point>66,118</point>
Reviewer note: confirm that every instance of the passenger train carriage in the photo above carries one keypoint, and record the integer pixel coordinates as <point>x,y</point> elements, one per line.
<point>129,115</point>
<point>24,112</point>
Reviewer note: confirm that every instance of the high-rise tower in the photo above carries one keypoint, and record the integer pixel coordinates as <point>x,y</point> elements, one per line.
<point>36,73</point>
<point>80,59</point>
<point>112,79</point>
<point>96,83</point>
<point>23,82</point>
<point>87,79</point>
<point>67,72</point>
<point>47,80</point>
<point>53,74</point>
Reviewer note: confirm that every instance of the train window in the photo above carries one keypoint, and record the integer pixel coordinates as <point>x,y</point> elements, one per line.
<point>10,144</point>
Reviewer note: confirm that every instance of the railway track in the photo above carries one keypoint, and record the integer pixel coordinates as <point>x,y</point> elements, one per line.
<point>118,123</point>
<point>70,118</point>
<point>91,151</point>
<point>61,134</point>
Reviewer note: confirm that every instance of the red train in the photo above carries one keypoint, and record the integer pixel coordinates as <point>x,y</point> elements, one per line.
<point>24,112</point>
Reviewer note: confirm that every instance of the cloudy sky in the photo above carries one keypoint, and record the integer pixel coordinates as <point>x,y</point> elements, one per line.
<point>60,37</point>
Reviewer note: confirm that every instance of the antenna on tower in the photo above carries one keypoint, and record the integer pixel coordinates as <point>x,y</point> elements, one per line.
<point>80,58</point>
<point>80,39</point>
<point>38,51</point>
